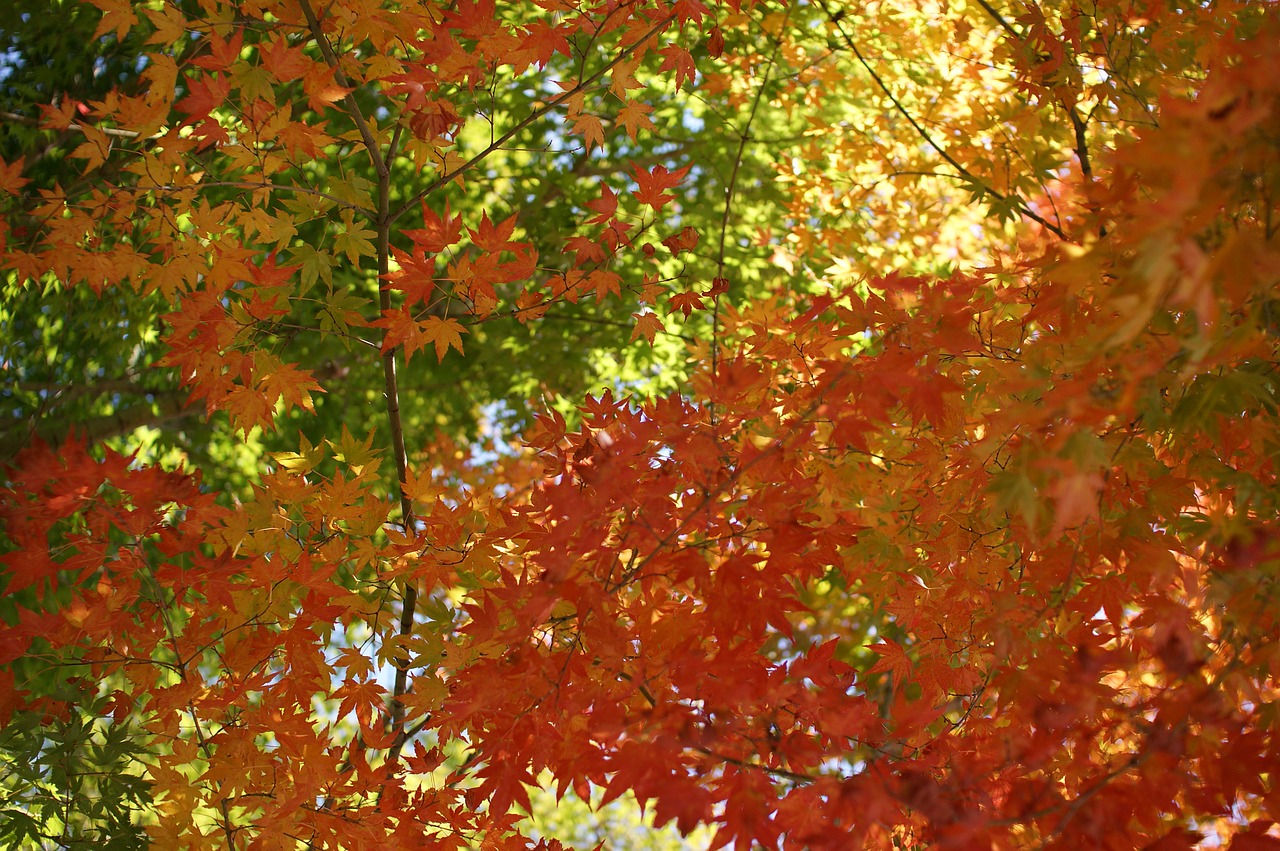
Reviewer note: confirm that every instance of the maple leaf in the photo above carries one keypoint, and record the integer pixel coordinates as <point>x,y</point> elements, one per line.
<point>284,62</point>
<point>94,149</point>
<point>438,232</point>
<point>415,276</point>
<point>203,96</point>
<point>401,329</point>
<point>678,59</point>
<point>648,325</point>
<point>585,249</point>
<point>354,453</point>
<point>494,237</point>
<point>474,18</point>
<point>117,16</point>
<point>605,207</point>
<point>11,179</point>
<point>685,240</point>
<point>687,302</point>
<point>652,185</point>
<point>605,282</point>
<point>444,334</point>
<point>269,274</point>
<point>690,10</point>
<point>169,22</point>
<point>893,660</point>
<point>354,238</point>
<point>591,129</point>
<point>634,117</point>
<point>285,381</point>
<point>222,51</point>
<point>715,42</point>
<point>322,89</point>
<point>304,460</point>
<point>546,40</point>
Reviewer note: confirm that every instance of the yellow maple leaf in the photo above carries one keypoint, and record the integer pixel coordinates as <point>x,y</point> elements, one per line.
<point>635,117</point>
<point>357,454</point>
<point>354,240</point>
<point>117,16</point>
<point>94,149</point>
<point>170,25</point>
<point>590,129</point>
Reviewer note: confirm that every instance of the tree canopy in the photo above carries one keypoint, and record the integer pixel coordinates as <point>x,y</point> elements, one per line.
<point>817,424</point>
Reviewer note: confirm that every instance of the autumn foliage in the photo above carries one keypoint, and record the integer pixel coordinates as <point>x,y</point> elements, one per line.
<point>843,425</point>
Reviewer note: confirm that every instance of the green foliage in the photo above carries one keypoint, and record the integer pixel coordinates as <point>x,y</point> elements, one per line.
<point>621,823</point>
<point>73,782</point>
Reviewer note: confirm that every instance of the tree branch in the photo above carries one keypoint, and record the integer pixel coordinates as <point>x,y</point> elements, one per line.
<point>349,101</point>
<point>391,384</point>
<point>1078,124</point>
<point>250,185</point>
<point>924,134</point>
<point>744,135</point>
<point>75,125</point>
<point>53,431</point>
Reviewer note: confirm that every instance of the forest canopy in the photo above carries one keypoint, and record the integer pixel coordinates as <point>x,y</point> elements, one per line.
<point>462,424</point>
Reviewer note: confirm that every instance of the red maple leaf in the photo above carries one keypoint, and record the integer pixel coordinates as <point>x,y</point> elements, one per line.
<point>652,185</point>
<point>687,302</point>
<point>438,232</point>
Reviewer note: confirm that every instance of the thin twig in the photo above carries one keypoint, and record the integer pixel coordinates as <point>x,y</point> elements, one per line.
<point>744,136</point>
<point>246,184</point>
<point>446,178</point>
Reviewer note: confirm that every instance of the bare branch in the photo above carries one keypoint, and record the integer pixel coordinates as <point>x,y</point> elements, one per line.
<point>53,431</point>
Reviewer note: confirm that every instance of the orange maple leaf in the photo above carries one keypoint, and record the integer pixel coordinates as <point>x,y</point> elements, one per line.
<point>11,179</point>
<point>647,325</point>
<point>444,333</point>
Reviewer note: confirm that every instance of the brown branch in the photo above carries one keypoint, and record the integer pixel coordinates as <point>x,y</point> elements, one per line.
<point>385,218</point>
<point>1000,19</point>
<point>392,388</point>
<point>924,134</point>
<point>391,384</point>
<point>1078,124</point>
<point>54,431</point>
<point>349,101</point>
<point>744,136</point>
<point>75,125</point>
